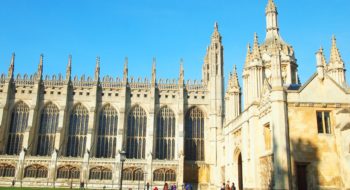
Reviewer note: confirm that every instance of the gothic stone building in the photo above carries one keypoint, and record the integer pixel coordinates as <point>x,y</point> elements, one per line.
<point>61,131</point>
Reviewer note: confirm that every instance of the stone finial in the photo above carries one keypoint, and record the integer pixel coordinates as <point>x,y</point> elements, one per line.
<point>233,82</point>
<point>40,66</point>
<point>271,7</point>
<point>256,49</point>
<point>248,56</point>
<point>12,66</point>
<point>335,58</point>
<point>320,63</point>
<point>154,72</point>
<point>97,69</point>
<point>216,35</point>
<point>69,68</point>
<point>125,70</point>
<point>181,73</point>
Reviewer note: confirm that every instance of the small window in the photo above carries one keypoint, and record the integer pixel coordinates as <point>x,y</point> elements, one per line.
<point>44,92</point>
<point>80,93</point>
<point>166,96</point>
<point>30,91</point>
<point>130,95</point>
<point>22,91</point>
<point>51,92</point>
<point>103,94</point>
<point>88,94</point>
<point>195,97</point>
<point>138,95</point>
<point>145,95</point>
<point>0,90</point>
<point>59,93</point>
<point>203,97</point>
<point>267,136</point>
<point>116,94</point>
<point>323,122</point>
<point>173,96</point>
<point>73,93</point>
<point>109,94</point>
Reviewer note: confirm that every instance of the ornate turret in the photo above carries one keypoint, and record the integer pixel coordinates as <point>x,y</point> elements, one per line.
<point>69,68</point>
<point>40,67</point>
<point>271,20</point>
<point>153,82</point>
<point>216,37</point>
<point>97,69</point>
<point>233,96</point>
<point>125,71</point>
<point>336,67</point>
<point>12,66</point>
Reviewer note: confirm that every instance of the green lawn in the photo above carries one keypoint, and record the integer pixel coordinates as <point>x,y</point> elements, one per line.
<point>30,188</point>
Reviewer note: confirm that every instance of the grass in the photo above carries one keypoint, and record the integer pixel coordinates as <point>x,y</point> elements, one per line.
<point>29,188</point>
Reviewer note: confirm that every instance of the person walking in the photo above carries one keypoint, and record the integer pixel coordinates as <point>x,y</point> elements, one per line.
<point>233,187</point>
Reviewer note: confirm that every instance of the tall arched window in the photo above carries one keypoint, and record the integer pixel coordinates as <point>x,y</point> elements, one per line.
<point>107,133</point>
<point>136,133</point>
<point>78,126</point>
<point>35,171</point>
<point>194,135</point>
<point>47,130</point>
<point>19,123</point>
<point>7,170</point>
<point>165,140</point>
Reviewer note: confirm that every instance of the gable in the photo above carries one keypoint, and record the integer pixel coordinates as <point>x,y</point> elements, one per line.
<point>326,90</point>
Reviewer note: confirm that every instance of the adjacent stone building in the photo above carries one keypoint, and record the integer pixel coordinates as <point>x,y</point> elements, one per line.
<point>274,133</point>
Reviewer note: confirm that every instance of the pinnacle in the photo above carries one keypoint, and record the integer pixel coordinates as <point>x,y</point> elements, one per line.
<point>256,50</point>
<point>335,55</point>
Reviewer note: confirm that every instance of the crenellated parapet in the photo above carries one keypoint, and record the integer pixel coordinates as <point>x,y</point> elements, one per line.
<point>26,80</point>
<point>168,84</point>
<point>54,81</point>
<point>110,82</point>
<point>82,82</point>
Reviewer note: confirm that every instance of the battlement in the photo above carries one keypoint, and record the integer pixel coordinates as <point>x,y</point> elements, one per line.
<point>25,80</point>
<point>54,81</point>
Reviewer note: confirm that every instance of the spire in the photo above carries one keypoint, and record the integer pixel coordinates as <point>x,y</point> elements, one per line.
<point>69,68</point>
<point>216,35</point>
<point>12,66</point>
<point>125,71</point>
<point>335,58</point>
<point>248,57</point>
<point>181,73</point>
<point>154,72</point>
<point>97,69</point>
<point>256,50</point>
<point>320,63</point>
<point>40,66</point>
<point>271,20</point>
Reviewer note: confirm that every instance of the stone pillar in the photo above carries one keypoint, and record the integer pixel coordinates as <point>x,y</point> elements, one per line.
<point>150,135</point>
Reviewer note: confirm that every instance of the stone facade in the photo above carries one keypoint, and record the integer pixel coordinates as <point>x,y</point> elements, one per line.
<point>65,131</point>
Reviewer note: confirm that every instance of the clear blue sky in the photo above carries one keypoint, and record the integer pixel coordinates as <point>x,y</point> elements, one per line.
<point>167,30</point>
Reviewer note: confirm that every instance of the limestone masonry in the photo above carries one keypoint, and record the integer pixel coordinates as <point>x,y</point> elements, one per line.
<point>274,133</point>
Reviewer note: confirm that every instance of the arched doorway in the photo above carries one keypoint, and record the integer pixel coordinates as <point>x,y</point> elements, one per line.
<point>240,172</point>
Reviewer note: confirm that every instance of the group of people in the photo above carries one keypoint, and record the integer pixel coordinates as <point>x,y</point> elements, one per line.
<point>165,187</point>
<point>227,186</point>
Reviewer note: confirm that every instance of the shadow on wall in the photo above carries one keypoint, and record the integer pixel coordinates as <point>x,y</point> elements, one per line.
<point>304,166</point>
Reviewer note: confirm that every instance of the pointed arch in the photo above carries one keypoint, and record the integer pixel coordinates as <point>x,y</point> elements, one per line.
<point>133,174</point>
<point>77,131</point>
<point>7,170</point>
<point>68,172</point>
<point>35,171</point>
<point>47,129</point>
<point>107,132</point>
<point>100,173</point>
<point>165,134</point>
<point>194,134</point>
<point>136,133</point>
<point>164,174</point>
<point>18,125</point>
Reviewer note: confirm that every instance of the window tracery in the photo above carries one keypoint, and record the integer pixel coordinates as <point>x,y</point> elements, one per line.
<point>47,129</point>
<point>68,172</point>
<point>7,170</point>
<point>78,126</point>
<point>107,132</point>
<point>164,175</point>
<point>133,174</point>
<point>194,135</point>
<point>18,125</point>
<point>136,133</point>
<point>100,173</point>
<point>165,139</point>
<point>35,171</point>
